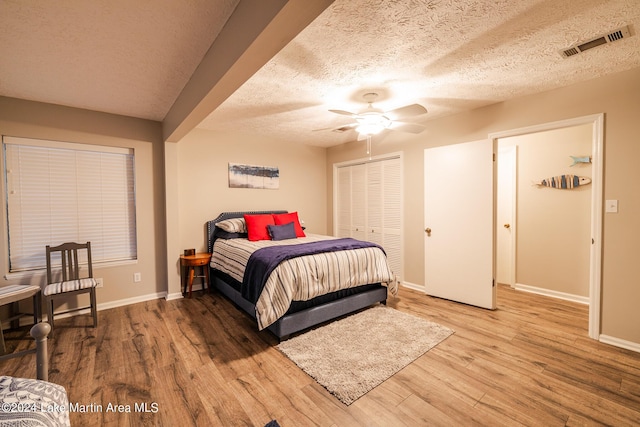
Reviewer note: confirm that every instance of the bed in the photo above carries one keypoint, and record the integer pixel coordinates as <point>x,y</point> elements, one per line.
<point>368,282</point>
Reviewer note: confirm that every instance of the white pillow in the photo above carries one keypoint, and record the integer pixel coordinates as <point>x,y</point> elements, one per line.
<point>233,225</point>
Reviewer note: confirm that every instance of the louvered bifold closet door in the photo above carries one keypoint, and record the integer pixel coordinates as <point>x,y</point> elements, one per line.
<point>359,202</point>
<point>375,204</point>
<point>343,199</point>
<point>392,214</point>
<point>369,206</point>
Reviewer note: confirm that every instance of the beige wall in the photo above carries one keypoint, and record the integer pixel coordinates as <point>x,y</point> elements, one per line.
<point>44,121</point>
<point>197,186</point>
<point>203,185</point>
<point>617,97</point>
<point>553,226</point>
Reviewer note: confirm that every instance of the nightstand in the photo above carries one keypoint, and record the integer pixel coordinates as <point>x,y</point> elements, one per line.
<point>189,263</point>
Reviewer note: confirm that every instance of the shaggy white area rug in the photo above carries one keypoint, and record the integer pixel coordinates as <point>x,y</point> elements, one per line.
<point>351,356</point>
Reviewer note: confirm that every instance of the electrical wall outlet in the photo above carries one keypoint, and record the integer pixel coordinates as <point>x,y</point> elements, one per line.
<point>137,277</point>
<point>99,282</point>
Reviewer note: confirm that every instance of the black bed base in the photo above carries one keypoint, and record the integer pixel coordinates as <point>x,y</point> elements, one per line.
<point>298,321</point>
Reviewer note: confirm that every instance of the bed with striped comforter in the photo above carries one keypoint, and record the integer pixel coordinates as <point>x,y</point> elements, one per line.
<point>302,278</point>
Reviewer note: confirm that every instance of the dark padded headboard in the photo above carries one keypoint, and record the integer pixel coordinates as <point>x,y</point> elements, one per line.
<point>211,225</point>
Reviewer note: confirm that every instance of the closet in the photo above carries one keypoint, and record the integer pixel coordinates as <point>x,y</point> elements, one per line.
<point>369,205</point>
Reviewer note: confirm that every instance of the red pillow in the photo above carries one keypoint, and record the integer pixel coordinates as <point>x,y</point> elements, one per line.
<point>257,226</point>
<point>286,218</point>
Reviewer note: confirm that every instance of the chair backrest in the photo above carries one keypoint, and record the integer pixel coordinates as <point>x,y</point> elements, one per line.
<point>69,261</point>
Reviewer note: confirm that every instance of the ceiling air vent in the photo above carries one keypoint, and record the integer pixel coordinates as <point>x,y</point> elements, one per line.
<point>611,37</point>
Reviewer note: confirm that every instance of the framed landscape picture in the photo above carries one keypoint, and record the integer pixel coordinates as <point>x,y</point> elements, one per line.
<point>250,176</point>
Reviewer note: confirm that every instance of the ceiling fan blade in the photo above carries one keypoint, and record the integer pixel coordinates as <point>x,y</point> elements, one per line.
<point>344,128</point>
<point>407,127</point>
<point>406,111</point>
<point>339,129</point>
<point>344,113</point>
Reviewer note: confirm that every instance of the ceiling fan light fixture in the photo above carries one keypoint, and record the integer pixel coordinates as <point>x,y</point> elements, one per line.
<point>372,123</point>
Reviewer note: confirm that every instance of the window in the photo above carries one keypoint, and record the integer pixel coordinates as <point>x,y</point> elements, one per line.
<point>60,192</point>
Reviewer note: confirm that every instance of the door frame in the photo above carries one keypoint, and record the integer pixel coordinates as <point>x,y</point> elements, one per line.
<point>597,150</point>
<point>513,158</point>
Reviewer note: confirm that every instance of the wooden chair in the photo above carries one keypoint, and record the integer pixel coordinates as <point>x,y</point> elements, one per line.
<point>71,283</point>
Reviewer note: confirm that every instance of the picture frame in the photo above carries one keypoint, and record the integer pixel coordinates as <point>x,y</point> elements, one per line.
<point>253,176</point>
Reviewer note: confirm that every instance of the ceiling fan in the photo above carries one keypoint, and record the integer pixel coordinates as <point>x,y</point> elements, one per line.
<point>371,121</point>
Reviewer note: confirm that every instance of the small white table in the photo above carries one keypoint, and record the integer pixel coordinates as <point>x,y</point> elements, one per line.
<point>14,293</point>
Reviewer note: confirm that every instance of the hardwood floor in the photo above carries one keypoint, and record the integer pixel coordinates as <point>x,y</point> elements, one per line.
<point>201,362</point>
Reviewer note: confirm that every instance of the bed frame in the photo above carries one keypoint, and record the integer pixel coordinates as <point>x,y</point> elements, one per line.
<point>293,322</point>
<point>29,393</point>
<point>39,332</point>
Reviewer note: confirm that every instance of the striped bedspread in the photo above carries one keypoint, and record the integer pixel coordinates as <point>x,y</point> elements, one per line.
<point>302,278</point>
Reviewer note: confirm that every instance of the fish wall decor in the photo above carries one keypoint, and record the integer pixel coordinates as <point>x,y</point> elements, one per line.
<point>580,159</point>
<point>564,182</point>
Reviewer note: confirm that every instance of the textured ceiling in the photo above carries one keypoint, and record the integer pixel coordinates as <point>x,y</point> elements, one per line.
<point>446,55</point>
<point>117,56</point>
<point>135,57</point>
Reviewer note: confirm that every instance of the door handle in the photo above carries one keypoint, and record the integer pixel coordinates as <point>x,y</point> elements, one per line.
<point>507,226</point>
<point>428,231</point>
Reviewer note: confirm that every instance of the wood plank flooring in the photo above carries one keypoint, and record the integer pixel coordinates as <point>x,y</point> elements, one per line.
<point>201,362</point>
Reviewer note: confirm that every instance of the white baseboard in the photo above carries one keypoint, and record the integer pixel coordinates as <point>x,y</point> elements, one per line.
<point>111,304</point>
<point>129,301</point>
<point>28,320</point>
<point>633,346</point>
<point>174,296</point>
<point>178,295</point>
<point>550,293</point>
<point>415,287</point>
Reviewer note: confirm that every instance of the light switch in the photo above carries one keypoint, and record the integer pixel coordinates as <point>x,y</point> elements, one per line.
<point>611,206</point>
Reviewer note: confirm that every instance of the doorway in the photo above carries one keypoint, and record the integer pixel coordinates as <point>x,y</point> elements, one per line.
<point>594,124</point>
<point>506,221</point>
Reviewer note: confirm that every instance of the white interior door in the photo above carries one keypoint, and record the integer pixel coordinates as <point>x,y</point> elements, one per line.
<point>459,222</point>
<point>505,216</point>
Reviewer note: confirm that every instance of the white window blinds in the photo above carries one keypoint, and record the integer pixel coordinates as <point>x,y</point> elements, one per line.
<point>60,192</point>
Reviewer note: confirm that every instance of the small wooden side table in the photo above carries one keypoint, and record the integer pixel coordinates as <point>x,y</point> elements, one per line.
<point>11,295</point>
<point>192,261</point>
